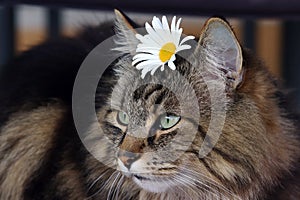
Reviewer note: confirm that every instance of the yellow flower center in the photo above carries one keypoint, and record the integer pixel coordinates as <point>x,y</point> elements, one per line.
<point>167,51</point>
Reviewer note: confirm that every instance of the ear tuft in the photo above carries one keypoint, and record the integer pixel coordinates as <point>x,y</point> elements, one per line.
<point>124,19</point>
<point>126,41</point>
<point>221,50</point>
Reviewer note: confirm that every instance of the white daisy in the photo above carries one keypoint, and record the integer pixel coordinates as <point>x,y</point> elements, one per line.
<point>159,46</point>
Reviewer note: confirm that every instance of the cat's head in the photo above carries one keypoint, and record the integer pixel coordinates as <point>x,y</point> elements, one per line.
<point>154,129</point>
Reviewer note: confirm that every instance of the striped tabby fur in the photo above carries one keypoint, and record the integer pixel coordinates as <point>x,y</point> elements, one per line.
<point>42,157</point>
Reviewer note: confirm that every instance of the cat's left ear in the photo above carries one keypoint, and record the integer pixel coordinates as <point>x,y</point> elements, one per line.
<point>221,51</point>
<point>125,29</point>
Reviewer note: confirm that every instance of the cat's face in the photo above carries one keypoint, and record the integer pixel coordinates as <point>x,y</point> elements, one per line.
<point>153,129</point>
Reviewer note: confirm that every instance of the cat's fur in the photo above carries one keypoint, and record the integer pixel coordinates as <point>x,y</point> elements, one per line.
<point>42,157</point>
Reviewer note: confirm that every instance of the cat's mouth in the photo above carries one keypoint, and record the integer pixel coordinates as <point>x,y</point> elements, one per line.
<point>141,178</point>
<point>154,184</point>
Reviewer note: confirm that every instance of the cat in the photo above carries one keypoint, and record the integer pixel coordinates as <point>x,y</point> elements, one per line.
<point>147,148</point>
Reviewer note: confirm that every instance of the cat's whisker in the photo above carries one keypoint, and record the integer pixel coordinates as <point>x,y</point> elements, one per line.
<point>192,181</point>
<point>119,185</point>
<point>116,190</point>
<point>112,188</point>
<point>192,177</point>
<point>98,178</point>
<point>209,180</point>
<point>174,179</point>
<point>103,186</point>
<point>186,182</point>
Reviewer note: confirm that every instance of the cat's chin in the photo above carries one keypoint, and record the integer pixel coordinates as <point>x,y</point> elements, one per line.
<point>150,185</point>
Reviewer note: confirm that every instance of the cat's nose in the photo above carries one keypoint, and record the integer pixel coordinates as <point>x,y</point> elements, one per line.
<point>128,157</point>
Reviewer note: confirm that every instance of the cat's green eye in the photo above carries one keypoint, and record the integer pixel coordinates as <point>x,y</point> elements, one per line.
<point>123,118</point>
<point>168,121</point>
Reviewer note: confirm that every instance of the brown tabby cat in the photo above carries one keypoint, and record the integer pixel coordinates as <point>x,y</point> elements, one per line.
<point>147,135</point>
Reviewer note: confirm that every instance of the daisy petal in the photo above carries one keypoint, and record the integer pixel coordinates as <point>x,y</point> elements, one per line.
<point>165,23</point>
<point>158,27</point>
<point>178,35</point>
<point>172,58</point>
<point>143,55</point>
<point>190,37</point>
<point>148,46</point>
<point>180,31</point>
<point>144,58</point>
<point>148,69</point>
<point>156,23</point>
<point>173,24</point>
<point>154,69</point>
<point>139,37</point>
<point>144,72</point>
<point>137,61</point>
<point>171,65</point>
<point>150,51</point>
<point>183,47</point>
<point>147,63</point>
<point>178,24</point>
<point>152,34</point>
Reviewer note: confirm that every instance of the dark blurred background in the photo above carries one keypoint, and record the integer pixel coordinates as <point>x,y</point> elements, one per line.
<point>270,27</point>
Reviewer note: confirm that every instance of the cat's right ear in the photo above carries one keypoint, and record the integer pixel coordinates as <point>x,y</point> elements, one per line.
<point>221,51</point>
<point>125,29</point>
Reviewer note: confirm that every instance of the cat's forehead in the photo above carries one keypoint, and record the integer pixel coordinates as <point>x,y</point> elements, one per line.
<point>165,91</point>
<point>139,97</point>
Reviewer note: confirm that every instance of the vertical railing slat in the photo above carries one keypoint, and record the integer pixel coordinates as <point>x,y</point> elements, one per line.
<point>291,65</point>
<point>7,34</point>
<point>249,34</point>
<point>54,22</point>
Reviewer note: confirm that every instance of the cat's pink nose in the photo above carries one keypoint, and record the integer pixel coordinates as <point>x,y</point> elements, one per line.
<point>127,157</point>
